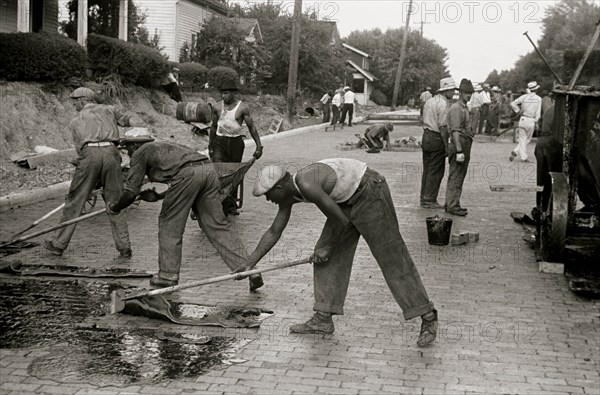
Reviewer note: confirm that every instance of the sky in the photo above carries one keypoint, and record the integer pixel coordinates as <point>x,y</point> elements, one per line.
<point>479,35</point>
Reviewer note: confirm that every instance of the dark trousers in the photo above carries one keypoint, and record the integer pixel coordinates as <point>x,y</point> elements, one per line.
<point>347,109</point>
<point>196,188</point>
<point>457,172</point>
<point>95,165</point>
<point>228,149</point>
<point>335,114</point>
<point>548,155</point>
<point>482,117</point>
<point>326,112</point>
<point>373,215</point>
<point>434,165</point>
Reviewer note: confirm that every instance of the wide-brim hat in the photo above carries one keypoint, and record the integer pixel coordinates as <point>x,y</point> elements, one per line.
<point>477,87</point>
<point>532,86</point>
<point>269,176</point>
<point>137,135</point>
<point>495,89</point>
<point>466,86</point>
<point>447,84</point>
<point>83,92</point>
<point>346,88</point>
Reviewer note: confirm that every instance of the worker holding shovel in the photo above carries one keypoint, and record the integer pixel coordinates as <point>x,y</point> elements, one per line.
<point>96,136</point>
<point>357,202</point>
<point>193,184</point>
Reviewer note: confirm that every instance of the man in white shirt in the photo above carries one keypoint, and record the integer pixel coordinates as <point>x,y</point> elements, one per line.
<point>529,107</point>
<point>326,106</point>
<point>348,106</point>
<point>474,106</point>
<point>485,106</point>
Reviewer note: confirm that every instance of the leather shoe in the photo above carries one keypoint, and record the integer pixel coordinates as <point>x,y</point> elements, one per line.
<point>160,282</point>
<point>434,205</point>
<point>457,211</point>
<point>319,323</point>
<point>428,330</point>
<point>256,282</point>
<point>54,250</point>
<point>126,254</point>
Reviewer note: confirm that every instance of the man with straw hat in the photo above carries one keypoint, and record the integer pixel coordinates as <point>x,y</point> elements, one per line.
<point>193,185</point>
<point>356,201</point>
<point>459,148</point>
<point>95,136</point>
<point>529,108</point>
<point>435,143</point>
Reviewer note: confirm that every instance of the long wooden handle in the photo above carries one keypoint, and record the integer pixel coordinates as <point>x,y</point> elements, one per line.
<point>40,220</point>
<point>225,277</point>
<point>50,229</point>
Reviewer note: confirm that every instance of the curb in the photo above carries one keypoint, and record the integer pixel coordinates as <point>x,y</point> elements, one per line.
<point>10,202</point>
<point>17,200</point>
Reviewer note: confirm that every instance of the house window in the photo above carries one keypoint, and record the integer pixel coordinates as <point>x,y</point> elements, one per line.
<point>37,16</point>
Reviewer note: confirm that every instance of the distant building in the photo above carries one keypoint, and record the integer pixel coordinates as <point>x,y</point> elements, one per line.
<point>28,16</point>
<point>362,79</point>
<point>331,30</point>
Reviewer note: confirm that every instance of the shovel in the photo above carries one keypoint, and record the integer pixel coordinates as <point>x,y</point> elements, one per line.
<point>50,229</point>
<point>118,298</point>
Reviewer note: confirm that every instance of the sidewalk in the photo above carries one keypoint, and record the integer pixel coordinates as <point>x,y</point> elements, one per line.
<point>504,327</point>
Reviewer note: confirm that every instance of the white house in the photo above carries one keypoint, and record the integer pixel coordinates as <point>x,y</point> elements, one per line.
<point>362,79</point>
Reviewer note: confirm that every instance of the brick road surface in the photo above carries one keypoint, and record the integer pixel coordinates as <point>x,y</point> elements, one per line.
<point>504,327</point>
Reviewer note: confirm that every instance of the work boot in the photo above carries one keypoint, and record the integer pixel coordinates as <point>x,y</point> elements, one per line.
<point>320,322</point>
<point>457,211</point>
<point>429,329</point>
<point>54,250</point>
<point>434,205</point>
<point>125,254</point>
<point>256,282</point>
<point>160,282</point>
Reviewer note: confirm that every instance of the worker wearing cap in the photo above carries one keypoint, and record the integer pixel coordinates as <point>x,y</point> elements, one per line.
<point>193,185</point>
<point>459,148</point>
<point>226,138</point>
<point>357,202</point>
<point>435,142</point>
<point>95,136</point>
<point>529,108</point>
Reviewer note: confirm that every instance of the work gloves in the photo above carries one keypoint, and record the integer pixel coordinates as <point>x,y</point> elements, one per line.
<point>150,195</point>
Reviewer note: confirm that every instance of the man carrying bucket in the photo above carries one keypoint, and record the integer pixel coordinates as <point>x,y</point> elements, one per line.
<point>357,202</point>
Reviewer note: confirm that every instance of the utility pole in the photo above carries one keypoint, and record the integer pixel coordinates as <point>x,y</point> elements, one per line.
<point>402,56</point>
<point>294,54</point>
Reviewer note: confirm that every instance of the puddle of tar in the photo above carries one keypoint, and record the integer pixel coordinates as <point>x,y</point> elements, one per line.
<point>53,315</point>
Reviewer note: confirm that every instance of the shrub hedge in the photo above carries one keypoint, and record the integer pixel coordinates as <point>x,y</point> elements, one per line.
<point>220,77</point>
<point>192,75</point>
<point>135,63</point>
<point>40,57</point>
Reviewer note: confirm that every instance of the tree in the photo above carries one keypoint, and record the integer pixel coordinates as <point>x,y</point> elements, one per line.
<point>222,43</point>
<point>103,18</point>
<point>425,62</point>
<point>568,25</point>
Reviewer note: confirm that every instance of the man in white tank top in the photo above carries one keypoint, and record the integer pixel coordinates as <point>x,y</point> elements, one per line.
<point>357,202</point>
<point>226,138</point>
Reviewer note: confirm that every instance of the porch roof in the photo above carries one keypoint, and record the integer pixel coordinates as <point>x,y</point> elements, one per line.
<point>365,73</point>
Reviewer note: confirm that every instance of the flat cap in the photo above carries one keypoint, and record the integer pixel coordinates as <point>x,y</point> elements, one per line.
<point>269,176</point>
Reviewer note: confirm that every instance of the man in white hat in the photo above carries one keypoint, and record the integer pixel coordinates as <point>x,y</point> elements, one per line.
<point>485,106</point>
<point>435,142</point>
<point>474,106</point>
<point>95,136</point>
<point>193,185</point>
<point>348,106</point>
<point>529,108</point>
<point>357,202</point>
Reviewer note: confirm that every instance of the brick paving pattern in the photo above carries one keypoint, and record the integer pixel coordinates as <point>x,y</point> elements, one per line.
<point>504,327</point>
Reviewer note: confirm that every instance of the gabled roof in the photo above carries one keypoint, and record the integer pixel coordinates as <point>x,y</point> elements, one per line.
<point>330,28</point>
<point>365,73</point>
<point>250,26</point>
<point>358,51</point>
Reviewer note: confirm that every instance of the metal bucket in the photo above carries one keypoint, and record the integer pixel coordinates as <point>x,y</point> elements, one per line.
<point>439,230</point>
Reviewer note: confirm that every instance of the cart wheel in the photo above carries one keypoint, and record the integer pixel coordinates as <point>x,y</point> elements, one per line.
<point>90,203</point>
<point>554,215</point>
